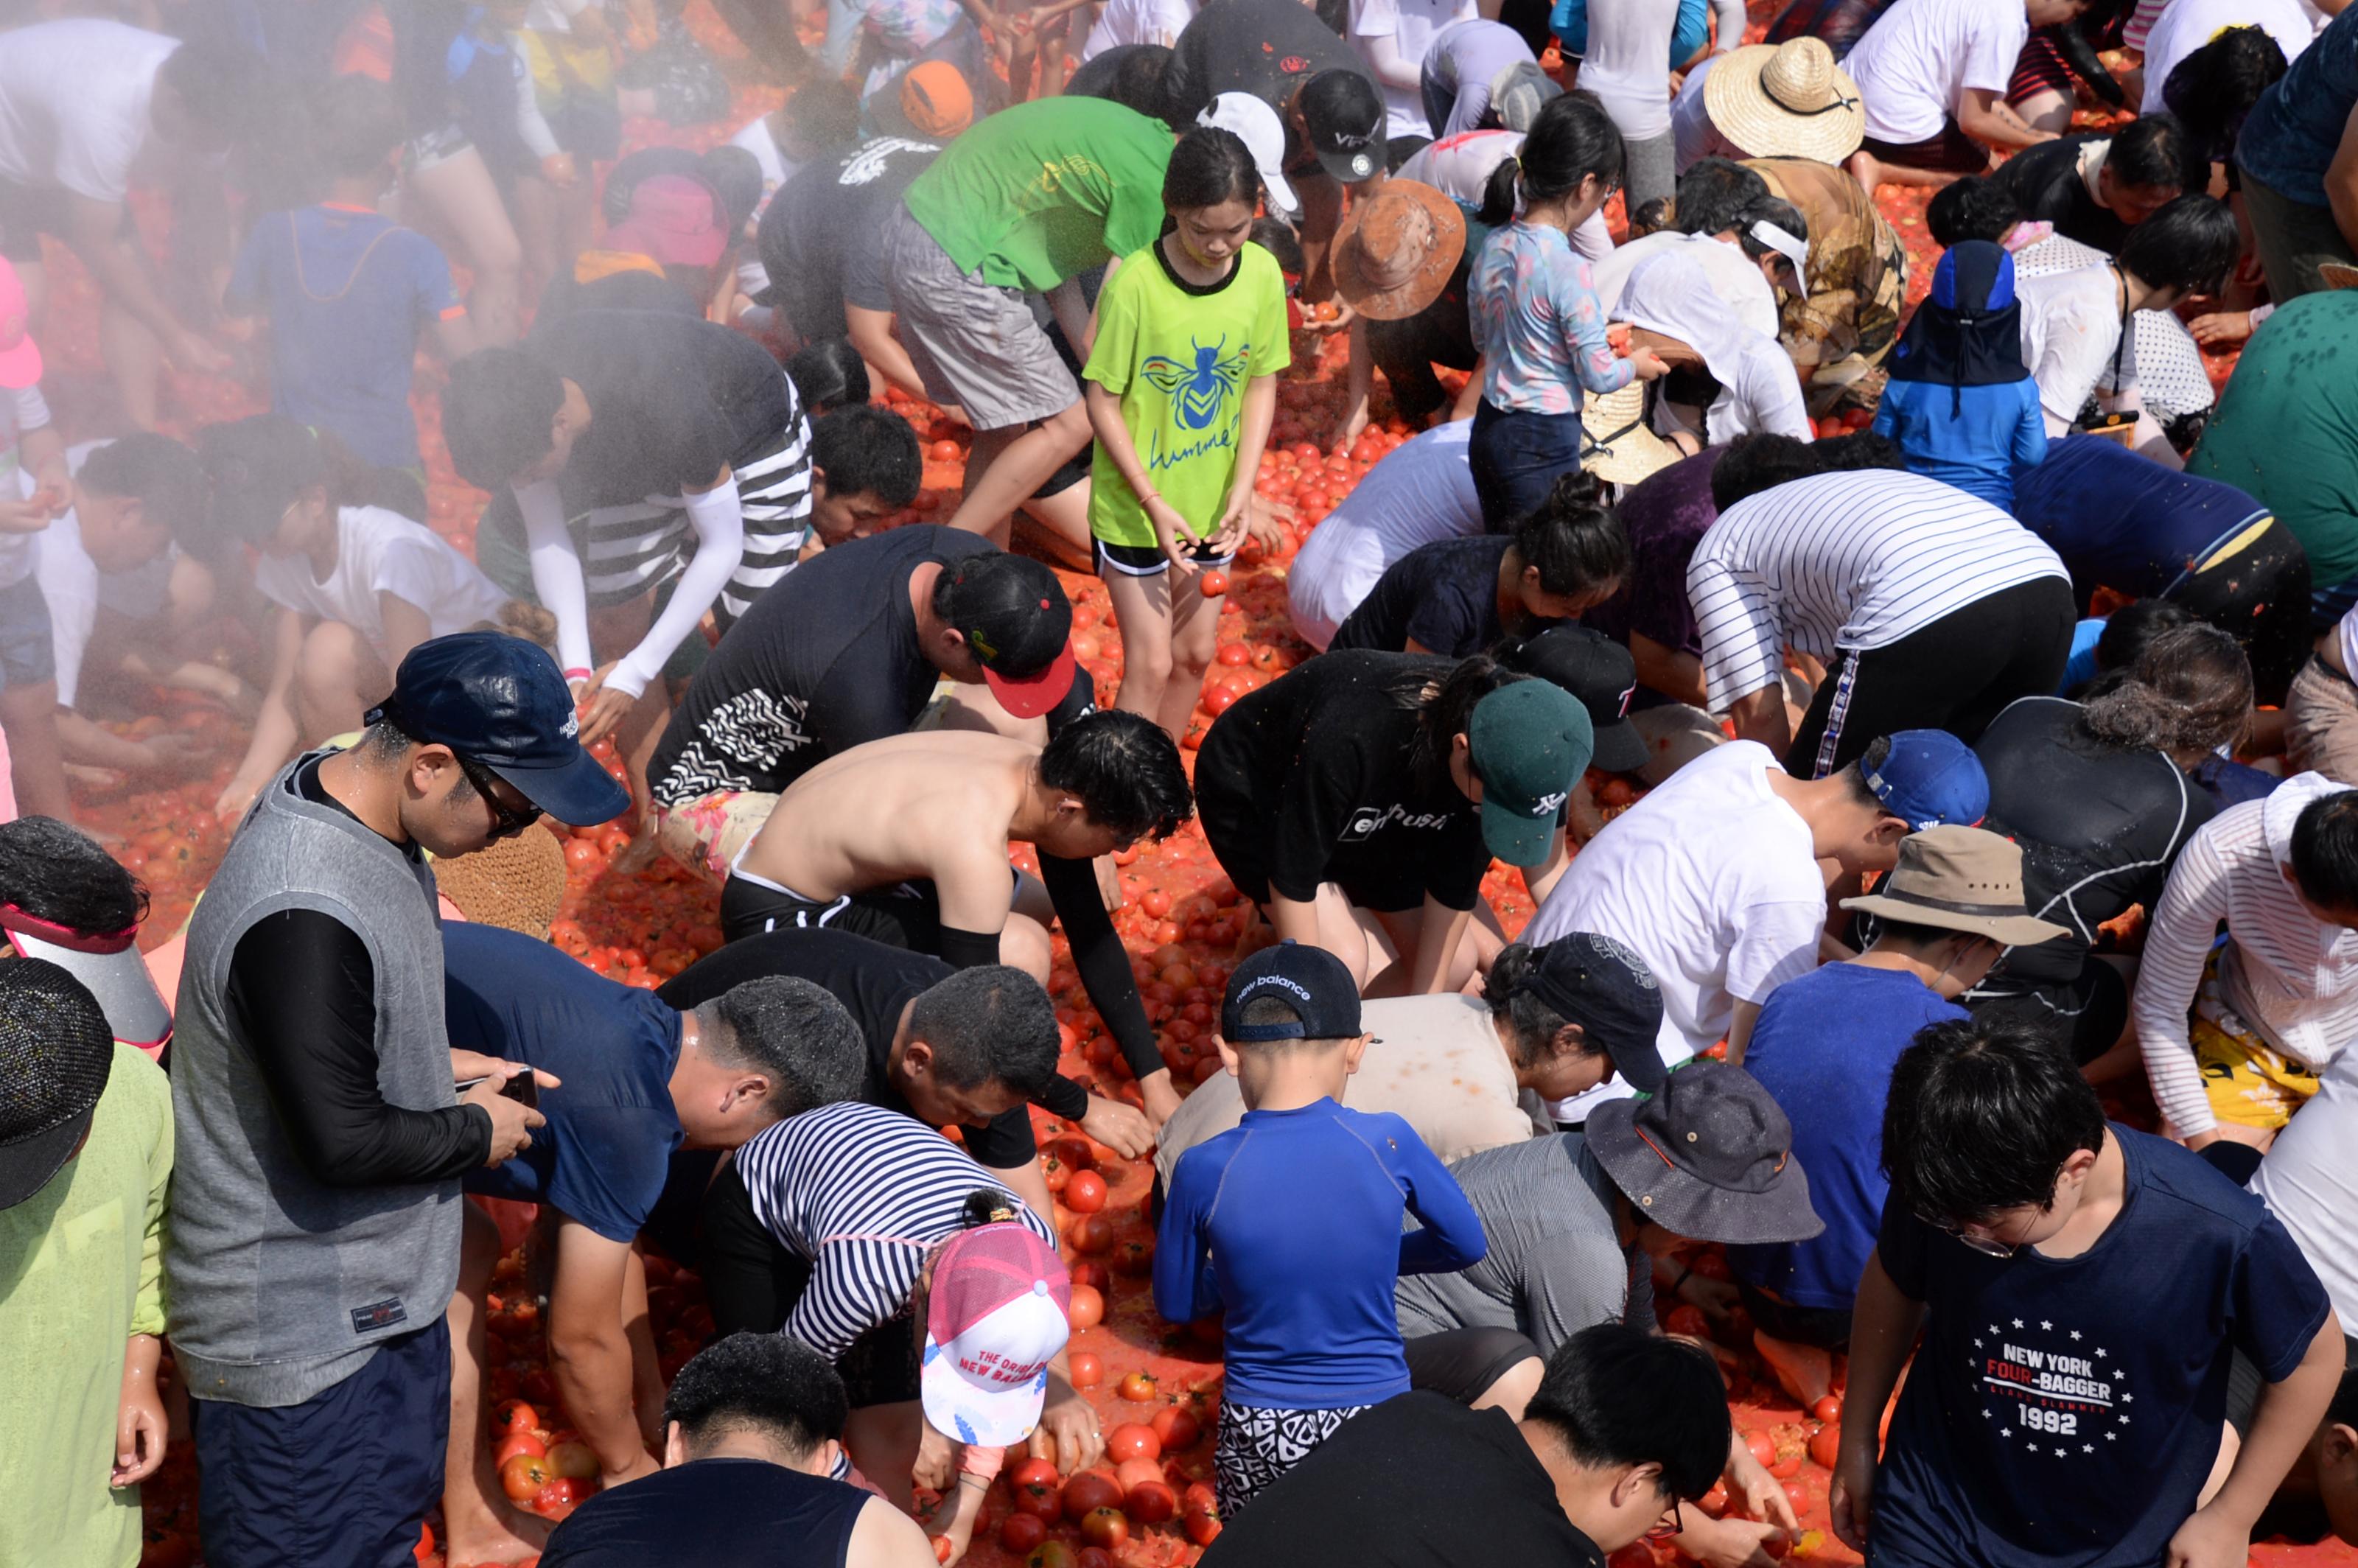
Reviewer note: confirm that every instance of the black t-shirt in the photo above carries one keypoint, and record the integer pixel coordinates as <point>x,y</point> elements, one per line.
<point>827,660</point>
<point>1315,769</point>
<point>2045,183</point>
<point>1418,1482</point>
<point>672,400</point>
<point>1442,596</point>
<point>739,1513</point>
<point>874,983</point>
<point>1266,47</point>
<point>822,236</point>
<point>2099,828</point>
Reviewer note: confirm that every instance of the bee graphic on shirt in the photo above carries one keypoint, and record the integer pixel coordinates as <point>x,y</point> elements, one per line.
<point>1202,387</point>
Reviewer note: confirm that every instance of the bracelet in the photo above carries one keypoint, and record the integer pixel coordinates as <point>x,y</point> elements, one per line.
<point>577,674</point>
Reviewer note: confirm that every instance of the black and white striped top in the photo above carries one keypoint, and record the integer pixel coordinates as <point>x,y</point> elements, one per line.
<point>1846,560</point>
<point>863,1193</point>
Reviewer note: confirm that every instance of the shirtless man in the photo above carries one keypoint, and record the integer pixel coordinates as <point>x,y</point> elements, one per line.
<point>905,839</point>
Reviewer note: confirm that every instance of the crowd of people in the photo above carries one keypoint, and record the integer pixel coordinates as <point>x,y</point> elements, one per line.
<point>1916,732</point>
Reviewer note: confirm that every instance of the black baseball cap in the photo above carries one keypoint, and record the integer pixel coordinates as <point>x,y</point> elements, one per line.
<point>1602,676</point>
<point>1598,983</point>
<point>1709,1156</point>
<point>1012,612</point>
<point>1344,116</point>
<point>500,701</point>
<point>1311,981</point>
<point>56,1054</point>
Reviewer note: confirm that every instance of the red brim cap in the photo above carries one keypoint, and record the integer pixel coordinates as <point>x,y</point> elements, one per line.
<point>1031,699</point>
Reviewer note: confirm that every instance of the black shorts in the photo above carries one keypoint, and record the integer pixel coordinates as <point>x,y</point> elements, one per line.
<point>1950,152</point>
<point>907,916</point>
<point>1148,560</point>
<point>1463,1363</point>
<point>1236,825</point>
<point>1828,1328</point>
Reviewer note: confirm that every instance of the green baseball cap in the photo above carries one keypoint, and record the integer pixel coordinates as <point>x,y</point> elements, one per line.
<point>1531,741</point>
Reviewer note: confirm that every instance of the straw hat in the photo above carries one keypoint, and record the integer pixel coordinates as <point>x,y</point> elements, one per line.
<point>1396,250</point>
<point>1787,100</point>
<point>1616,443</point>
<point>515,884</point>
<point>1960,879</point>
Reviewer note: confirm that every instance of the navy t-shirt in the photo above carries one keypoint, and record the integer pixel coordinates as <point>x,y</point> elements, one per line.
<point>2066,1411</point>
<point>607,1148</point>
<point>2124,522</point>
<point>740,1513</point>
<point>1443,597</point>
<point>1823,1048</point>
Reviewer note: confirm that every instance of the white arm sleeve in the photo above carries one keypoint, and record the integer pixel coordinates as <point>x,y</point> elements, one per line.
<point>718,518</point>
<point>1728,34</point>
<point>531,124</point>
<point>556,571</point>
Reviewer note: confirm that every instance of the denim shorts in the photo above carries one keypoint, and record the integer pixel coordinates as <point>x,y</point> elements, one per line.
<point>27,655</point>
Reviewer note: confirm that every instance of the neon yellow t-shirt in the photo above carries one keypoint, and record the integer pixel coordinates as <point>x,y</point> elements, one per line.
<point>1179,357</point>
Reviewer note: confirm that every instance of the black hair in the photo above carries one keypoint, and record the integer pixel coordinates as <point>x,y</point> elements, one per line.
<point>1444,708</point>
<point>221,83</point>
<point>1571,138</point>
<point>1576,541</point>
<point>1617,1395</point>
<point>355,126</point>
<point>53,871</point>
<point>1714,195</point>
<point>1126,770</point>
<point>1774,210</point>
<point>824,112</point>
<point>2189,689</point>
<point>1982,1114</point>
<point>1975,208</point>
<point>498,413</point>
<point>1759,462</point>
<point>771,1385</point>
<point>258,467</point>
<point>1652,217</point>
<point>1536,1026</point>
<point>1877,753</point>
<point>2155,153</point>
<point>2131,629</point>
<point>1210,166</point>
<point>2187,245</point>
<point>2325,851</point>
<point>1138,80</point>
<point>1907,933</point>
<point>1858,450</point>
<point>989,1023</point>
<point>734,175</point>
<point>828,373</point>
<point>795,1032</point>
<point>157,471</point>
<point>987,1205</point>
<point>1276,236</point>
<point>868,449</point>
<point>2214,89</point>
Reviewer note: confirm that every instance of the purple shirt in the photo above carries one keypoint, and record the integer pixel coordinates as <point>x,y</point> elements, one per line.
<point>1665,515</point>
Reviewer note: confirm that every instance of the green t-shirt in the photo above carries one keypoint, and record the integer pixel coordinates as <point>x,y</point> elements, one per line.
<point>2286,432</point>
<point>1178,356</point>
<point>81,1273</point>
<point>1040,191</point>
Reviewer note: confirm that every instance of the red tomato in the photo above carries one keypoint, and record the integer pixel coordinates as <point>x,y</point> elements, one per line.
<point>515,1415</point>
<point>523,1475</point>
<point>1089,1233</point>
<point>1178,1429</point>
<point>1131,1474</point>
<point>1150,1502</point>
<point>1105,1526</point>
<point>562,1493</point>
<point>1138,1388</point>
<point>1234,654</point>
<point>1828,1409</point>
<point>575,1460</point>
<point>1033,1485</point>
<point>1075,1152</point>
<point>1213,584</point>
<point>1093,1275</point>
<point>1825,1447</point>
<point>1084,1193</point>
<point>1688,1321</point>
<point>1089,1491</point>
<point>1052,1554</point>
<point>1087,1370</point>
<point>1762,1446</point>
<point>1096,1557</point>
<point>943,1547</point>
<point>945,451</point>
<point>1022,1532</point>
<point>1088,1310</point>
<point>1132,1440</point>
<point>1202,1526</point>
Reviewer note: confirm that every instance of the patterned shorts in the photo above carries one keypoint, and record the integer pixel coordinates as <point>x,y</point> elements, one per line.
<point>1258,1443</point>
<point>2250,1083</point>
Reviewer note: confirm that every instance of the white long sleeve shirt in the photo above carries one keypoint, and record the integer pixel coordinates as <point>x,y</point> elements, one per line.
<point>2290,977</point>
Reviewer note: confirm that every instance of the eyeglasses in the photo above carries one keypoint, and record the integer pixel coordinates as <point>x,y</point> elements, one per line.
<point>1987,1245</point>
<point>1666,1528</point>
<point>506,820</point>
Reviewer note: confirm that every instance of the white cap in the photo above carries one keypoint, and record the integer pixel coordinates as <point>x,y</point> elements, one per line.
<point>1790,247</point>
<point>1256,124</point>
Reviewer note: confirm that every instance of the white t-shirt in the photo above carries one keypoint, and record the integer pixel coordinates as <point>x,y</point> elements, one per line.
<point>1914,65</point>
<point>74,97</point>
<point>1628,63</point>
<point>2071,336</point>
<point>2185,25</point>
<point>1712,881</point>
<point>70,582</point>
<point>753,278</point>
<point>1421,492</point>
<point>1137,22</point>
<point>1735,277</point>
<point>20,411</point>
<point>1460,167</point>
<point>383,552</point>
<point>2310,1184</point>
<point>1410,25</point>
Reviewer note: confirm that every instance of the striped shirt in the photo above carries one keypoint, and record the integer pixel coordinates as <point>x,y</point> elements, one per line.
<point>863,1194</point>
<point>1841,561</point>
<point>2287,976</point>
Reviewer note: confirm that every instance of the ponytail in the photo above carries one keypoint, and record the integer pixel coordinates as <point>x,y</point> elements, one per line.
<point>1499,193</point>
<point>1574,539</point>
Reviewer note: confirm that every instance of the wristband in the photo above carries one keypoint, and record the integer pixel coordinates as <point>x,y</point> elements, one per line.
<point>577,674</point>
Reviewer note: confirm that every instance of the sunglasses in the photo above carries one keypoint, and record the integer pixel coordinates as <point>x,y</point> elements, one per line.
<point>506,820</point>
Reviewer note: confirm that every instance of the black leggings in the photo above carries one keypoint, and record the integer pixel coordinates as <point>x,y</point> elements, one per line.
<point>1463,1363</point>
<point>1955,675</point>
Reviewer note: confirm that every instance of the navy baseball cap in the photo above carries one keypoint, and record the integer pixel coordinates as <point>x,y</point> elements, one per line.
<point>1930,779</point>
<point>1598,983</point>
<point>1311,981</point>
<point>501,702</point>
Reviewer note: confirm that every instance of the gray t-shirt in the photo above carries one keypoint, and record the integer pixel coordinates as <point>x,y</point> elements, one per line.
<point>1554,1266</point>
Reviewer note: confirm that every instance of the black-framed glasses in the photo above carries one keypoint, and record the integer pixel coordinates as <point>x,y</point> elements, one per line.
<point>506,820</point>
<point>1988,1247</point>
<point>1666,1528</point>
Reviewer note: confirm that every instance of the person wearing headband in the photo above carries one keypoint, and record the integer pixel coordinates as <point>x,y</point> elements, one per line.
<point>65,900</point>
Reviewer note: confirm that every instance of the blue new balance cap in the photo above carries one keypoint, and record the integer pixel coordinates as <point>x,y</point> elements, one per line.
<point>1930,779</point>
<point>501,702</point>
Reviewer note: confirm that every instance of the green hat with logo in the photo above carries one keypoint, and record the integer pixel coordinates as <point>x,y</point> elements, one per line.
<point>1531,741</point>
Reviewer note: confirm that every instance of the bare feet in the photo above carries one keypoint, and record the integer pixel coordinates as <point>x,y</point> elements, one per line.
<point>501,1535</point>
<point>1805,1372</point>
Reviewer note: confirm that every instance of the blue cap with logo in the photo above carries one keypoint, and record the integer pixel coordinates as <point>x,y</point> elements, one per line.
<point>501,702</point>
<point>1311,981</point>
<point>1930,779</point>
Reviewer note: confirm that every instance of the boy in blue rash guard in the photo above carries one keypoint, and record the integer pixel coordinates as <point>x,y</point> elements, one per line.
<point>1311,1335</point>
<point>1961,404</point>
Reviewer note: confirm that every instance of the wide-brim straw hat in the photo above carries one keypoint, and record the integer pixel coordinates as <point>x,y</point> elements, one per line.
<point>1395,251</point>
<point>1616,443</point>
<point>1960,879</point>
<point>1787,100</point>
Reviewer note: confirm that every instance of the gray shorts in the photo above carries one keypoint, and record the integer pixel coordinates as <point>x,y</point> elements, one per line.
<point>28,656</point>
<point>975,344</point>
